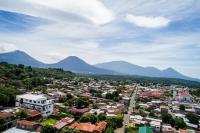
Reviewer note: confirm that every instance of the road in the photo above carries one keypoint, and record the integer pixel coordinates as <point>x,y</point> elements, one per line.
<point>130,110</point>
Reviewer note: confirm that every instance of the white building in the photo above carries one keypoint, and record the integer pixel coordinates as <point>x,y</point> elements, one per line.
<point>35,101</point>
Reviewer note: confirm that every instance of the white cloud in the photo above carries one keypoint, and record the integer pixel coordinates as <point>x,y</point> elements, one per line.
<point>5,47</point>
<point>94,10</point>
<point>87,29</point>
<point>147,22</point>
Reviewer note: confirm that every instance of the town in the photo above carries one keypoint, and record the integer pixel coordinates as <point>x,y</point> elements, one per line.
<point>90,105</point>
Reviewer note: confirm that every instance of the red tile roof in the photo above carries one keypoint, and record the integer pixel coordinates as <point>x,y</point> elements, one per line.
<point>152,94</point>
<point>34,113</point>
<point>27,123</point>
<point>183,131</point>
<point>5,115</point>
<point>100,126</point>
<point>63,122</point>
<point>86,95</point>
<point>90,128</point>
<point>81,111</point>
<point>184,94</point>
<point>56,110</point>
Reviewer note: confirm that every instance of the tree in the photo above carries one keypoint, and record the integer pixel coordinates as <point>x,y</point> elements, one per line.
<point>88,118</point>
<point>22,114</point>
<point>102,117</point>
<point>179,123</point>
<point>182,107</point>
<point>2,126</point>
<point>4,100</point>
<point>48,129</point>
<point>109,130</point>
<point>167,118</point>
<point>116,121</point>
<point>193,118</point>
<point>109,96</point>
<point>69,130</point>
<point>81,102</point>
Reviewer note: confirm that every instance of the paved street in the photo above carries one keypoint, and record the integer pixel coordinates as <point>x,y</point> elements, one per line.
<point>130,110</point>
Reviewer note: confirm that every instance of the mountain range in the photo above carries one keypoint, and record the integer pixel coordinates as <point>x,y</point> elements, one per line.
<point>77,65</point>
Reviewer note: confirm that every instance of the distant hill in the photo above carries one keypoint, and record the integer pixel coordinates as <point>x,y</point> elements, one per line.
<point>77,65</point>
<point>131,69</point>
<point>20,57</point>
<point>71,63</point>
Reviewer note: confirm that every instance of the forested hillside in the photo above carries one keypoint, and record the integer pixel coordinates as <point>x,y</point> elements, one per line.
<point>15,79</point>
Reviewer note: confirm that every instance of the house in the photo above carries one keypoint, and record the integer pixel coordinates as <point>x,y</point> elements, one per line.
<point>136,120</point>
<point>167,129</point>
<point>10,120</point>
<point>90,128</point>
<point>33,114</point>
<point>89,95</point>
<point>27,125</point>
<point>183,97</point>
<point>183,131</point>
<point>164,109</point>
<point>63,122</point>
<point>57,94</point>
<point>79,111</point>
<point>156,126</point>
<point>96,111</point>
<point>145,129</point>
<point>35,101</point>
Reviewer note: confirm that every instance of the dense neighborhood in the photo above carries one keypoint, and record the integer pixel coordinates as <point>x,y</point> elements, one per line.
<point>79,104</point>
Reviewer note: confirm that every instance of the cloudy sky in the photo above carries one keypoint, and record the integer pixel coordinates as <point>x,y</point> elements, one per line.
<point>160,33</point>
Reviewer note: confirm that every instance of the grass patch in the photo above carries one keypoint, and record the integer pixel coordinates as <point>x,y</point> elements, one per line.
<point>48,122</point>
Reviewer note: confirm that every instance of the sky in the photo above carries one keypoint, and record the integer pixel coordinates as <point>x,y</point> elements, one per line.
<point>162,33</point>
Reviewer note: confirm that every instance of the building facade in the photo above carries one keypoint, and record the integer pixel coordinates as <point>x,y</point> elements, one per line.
<point>36,102</point>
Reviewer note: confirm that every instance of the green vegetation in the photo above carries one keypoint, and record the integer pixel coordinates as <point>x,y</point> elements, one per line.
<point>69,130</point>
<point>48,129</point>
<point>115,96</point>
<point>115,121</point>
<point>179,123</point>
<point>145,81</point>
<point>82,102</point>
<point>182,107</point>
<point>7,95</point>
<point>89,118</point>
<point>48,122</point>
<point>22,114</point>
<point>168,119</point>
<point>109,130</point>
<point>16,79</point>
<point>102,117</point>
<point>2,126</point>
<point>130,130</point>
<point>195,92</point>
<point>193,118</point>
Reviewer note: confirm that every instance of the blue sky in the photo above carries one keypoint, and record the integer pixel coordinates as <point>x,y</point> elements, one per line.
<point>144,32</point>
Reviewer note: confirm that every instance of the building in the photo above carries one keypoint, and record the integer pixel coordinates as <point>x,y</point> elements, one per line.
<point>27,125</point>
<point>36,102</point>
<point>156,126</point>
<point>184,97</point>
<point>90,128</point>
<point>167,129</point>
<point>63,122</point>
<point>9,119</point>
<point>145,130</point>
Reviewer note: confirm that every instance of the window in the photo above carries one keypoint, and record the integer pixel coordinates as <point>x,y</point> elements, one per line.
<point>30,101</point>
<point>34,101</point>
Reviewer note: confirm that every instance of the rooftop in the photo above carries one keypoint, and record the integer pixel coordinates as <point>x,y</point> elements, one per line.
<point>31,96</point>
